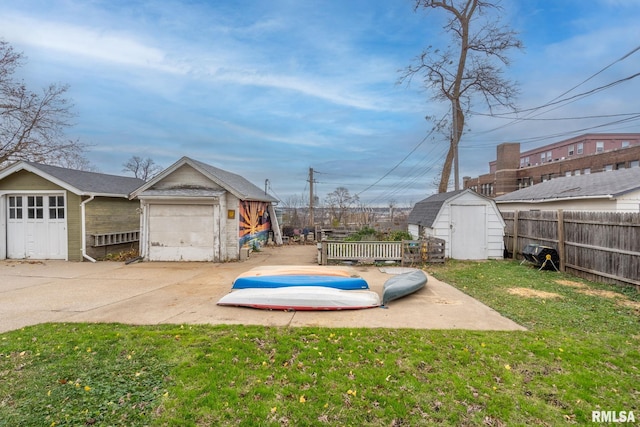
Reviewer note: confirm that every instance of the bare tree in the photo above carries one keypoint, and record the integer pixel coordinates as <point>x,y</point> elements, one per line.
<point>469,66</point>
<point>339,202</point>
<point>144,169</point>
<point>296,206</point>
<point>32,124</point>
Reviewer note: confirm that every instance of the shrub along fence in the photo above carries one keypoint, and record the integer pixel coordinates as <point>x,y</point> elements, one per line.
<point>599,246</point>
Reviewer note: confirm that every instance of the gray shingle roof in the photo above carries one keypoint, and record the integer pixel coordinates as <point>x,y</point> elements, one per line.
<point>236,184</point>
<point>601,184</point>
<point>424,213</point>
<point>90,182</point>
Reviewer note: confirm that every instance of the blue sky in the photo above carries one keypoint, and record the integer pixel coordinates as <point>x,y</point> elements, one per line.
<point>268,89</point>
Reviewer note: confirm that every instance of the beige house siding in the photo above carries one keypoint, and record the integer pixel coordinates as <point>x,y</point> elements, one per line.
<point>74,227</point>
<point>27,181</point>
<point>110,215</point>
<point>181,176</point>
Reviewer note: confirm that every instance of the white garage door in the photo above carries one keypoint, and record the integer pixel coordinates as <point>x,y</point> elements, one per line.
<point>181,232</point>
<point>36,227</point>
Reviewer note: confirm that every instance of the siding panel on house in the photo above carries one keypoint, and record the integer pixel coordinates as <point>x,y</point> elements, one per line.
<point>186,176</point>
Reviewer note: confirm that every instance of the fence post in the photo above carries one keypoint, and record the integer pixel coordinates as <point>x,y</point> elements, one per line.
<point>515,235</point>
<point>323,255</point>
<point>561,253</point>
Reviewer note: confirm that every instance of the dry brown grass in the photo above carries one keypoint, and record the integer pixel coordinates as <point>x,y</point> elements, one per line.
<point>532,293</point>
<point>571,284</point>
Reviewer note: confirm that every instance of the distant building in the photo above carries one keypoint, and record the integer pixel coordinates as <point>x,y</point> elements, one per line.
<point>590,153</point>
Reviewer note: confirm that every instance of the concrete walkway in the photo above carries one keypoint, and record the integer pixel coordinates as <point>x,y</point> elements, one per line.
<point>146,293</point>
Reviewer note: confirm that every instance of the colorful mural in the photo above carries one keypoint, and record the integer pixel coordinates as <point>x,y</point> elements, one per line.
<point>255,223</point>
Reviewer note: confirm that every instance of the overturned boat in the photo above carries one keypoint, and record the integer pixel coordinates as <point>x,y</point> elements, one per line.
<point>301,298</point>
<point>293,270</point>
<point>300,280</point>
<point>402,285</point>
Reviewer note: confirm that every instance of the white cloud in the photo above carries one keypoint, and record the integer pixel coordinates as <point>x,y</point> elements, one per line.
<point>95,44</point>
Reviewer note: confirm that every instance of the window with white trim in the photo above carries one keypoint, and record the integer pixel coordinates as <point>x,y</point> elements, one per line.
<point>56,207</point>
<point>35,207</point>
<point>15,207</point>
<point>580,148</point>
<point>599,146</point>
<point>571,150</point>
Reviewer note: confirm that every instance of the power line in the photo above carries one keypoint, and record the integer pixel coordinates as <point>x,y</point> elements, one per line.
<point>405,157</point>
<point>556,100</point>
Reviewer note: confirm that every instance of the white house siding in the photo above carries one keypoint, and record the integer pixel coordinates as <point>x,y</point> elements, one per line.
<point>414,231</point>
<point>629,202</point>
<point>590,205</point>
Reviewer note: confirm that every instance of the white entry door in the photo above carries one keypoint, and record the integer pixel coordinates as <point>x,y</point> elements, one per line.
<point>36,227</point>
<point>468,232</point>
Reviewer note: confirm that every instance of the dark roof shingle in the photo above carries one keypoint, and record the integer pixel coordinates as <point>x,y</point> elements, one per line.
<point>424,213</point>
<point>601,184</point>
<point>91,182</point>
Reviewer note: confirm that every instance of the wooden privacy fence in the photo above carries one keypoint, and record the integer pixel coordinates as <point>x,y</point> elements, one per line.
<point>600,246</point>
<point>405,252</point>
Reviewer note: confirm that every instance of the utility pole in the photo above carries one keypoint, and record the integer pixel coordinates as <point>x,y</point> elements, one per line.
<point>311,219</point>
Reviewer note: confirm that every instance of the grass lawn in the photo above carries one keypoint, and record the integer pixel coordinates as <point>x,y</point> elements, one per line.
<point>580,354</point>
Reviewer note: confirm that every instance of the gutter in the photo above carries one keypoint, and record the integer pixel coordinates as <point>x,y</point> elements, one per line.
<point>84,228</point>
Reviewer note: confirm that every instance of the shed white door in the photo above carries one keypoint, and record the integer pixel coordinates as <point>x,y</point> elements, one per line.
<point>468,232</point>
<point>181,232</point>
<point>36,227</point>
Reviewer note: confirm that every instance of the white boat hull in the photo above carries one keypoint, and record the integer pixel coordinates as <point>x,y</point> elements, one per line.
<point>301,298</point>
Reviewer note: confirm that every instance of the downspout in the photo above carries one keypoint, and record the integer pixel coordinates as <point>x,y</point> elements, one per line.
<point>84,229</point>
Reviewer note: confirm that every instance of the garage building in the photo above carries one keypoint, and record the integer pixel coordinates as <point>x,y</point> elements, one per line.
<point>193,211</point>
<point>50,212</point>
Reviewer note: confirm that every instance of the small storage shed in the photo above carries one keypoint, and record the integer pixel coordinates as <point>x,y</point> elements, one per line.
<point>469,223</point>
<point>49,212</point>
<point>193,211</point>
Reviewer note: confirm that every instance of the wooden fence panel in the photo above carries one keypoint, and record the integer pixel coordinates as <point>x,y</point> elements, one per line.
<point>602,246</point>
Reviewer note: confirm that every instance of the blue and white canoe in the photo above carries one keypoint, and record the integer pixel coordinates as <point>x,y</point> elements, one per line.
<point>300,280</point>
<point>301,298</point>
<point>402,285</point>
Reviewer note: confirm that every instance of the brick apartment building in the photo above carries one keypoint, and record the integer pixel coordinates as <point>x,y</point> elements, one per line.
<point>584,154</point>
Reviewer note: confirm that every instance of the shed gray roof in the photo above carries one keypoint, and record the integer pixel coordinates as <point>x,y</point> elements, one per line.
<point>79,182</point>
<point>424,213</point>
<point>235,184</point>
<point>602,184</point>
